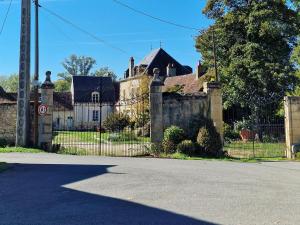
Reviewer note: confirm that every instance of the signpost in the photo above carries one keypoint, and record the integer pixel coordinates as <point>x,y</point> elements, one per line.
<point>23,120</point>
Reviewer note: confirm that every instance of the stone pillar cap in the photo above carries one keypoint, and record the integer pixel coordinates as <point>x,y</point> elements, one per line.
<point>47,83</point>
<point>156,80</point>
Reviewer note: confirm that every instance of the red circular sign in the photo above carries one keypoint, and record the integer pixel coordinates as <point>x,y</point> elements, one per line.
<point>43,110</point>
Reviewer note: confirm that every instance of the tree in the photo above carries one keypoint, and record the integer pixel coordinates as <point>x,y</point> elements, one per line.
<point>65,76</point>
<point>10,83</point>
<point>62,85</point>
<point>296,61</point>
<point>255,40</point>
<point>79,65</point>
<point>105,72</point>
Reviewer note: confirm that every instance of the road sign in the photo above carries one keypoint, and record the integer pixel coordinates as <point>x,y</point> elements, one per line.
<point>43,109</point>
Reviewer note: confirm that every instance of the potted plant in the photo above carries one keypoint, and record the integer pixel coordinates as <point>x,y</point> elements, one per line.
<point>244,128</point>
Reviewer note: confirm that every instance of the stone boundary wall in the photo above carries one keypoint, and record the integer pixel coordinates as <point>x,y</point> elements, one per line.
<point>292,125</point>
<point>8,122</point>
<point>179,109</point>
<point>167,109</point>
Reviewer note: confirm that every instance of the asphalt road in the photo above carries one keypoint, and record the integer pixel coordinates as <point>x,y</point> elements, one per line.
<point>49,189</point>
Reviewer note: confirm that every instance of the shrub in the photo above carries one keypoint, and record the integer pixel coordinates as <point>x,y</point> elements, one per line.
<point>187,147</point>
<point>116,122</point>
<point>3,143</point>
<point>155,149</point>
<point>169,147</point>
<point>210,141</point>
<point>195,124</point>
<point>174,134</point>
<point>243,124</point>
<point>269,139</point>
<point>298,155</point>
<point>142,119</point>
<point>229,133</point>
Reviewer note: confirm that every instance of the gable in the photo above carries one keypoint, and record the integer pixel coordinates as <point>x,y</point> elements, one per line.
<point>159,58</point>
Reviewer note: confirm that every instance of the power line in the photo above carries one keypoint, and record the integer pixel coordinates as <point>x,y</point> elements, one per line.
<point>82,30</point>
<point>154,17</point>
<point>5,17</point>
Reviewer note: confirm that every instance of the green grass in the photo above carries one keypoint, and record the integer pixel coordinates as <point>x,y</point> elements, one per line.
<point>3,166</point>
<point>241,149</point>
<point>19,149</point>
<point>92,137</point>
<point>182,156</point>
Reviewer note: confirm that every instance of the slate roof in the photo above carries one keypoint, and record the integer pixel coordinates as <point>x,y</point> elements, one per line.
<point>160,58</point>
<point>190,84</point>
<point>63,99</point>
<point>84,86</point>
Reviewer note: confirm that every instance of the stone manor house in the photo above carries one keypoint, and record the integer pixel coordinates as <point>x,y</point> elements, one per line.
<point>80,107</point>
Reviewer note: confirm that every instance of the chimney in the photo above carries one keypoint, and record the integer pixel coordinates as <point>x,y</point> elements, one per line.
<point>171,70</point>
<point>131,67</point>
<point>198,70</point>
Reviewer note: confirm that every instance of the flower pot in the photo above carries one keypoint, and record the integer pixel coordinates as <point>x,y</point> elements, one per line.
<point>247,135</point>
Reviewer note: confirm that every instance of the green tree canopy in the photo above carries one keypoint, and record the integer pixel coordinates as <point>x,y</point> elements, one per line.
<point>10,83</point>
<point>105,72</point>
<point>62,85</point>
<point>254,41</point>
<point>79,65</point>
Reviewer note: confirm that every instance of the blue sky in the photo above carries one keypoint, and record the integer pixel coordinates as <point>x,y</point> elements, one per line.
<point>109,21</point>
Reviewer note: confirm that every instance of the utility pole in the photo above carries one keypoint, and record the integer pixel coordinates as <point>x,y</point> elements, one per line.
<point>36,75</point>
<point>215,55</point>
<point>23,120</point>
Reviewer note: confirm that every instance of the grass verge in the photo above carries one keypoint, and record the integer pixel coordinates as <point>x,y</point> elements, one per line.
<point>181,156</point>
<point>19,149</point>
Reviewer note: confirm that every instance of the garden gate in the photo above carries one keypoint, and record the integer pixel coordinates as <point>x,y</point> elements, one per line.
<point>256,132</point>
<point>99,128</point>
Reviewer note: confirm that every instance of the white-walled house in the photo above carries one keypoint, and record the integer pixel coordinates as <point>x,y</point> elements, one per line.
<point>92,100</point>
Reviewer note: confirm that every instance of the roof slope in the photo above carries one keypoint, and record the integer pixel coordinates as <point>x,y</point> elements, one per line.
<point>84,86</point>
<point>160,58</point>
<point>189,82</point>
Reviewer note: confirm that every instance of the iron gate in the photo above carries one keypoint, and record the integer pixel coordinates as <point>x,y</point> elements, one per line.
<point>255,135</point>
<point>99,128</point>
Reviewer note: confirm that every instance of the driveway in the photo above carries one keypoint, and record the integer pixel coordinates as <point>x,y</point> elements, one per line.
<point>50,189</point>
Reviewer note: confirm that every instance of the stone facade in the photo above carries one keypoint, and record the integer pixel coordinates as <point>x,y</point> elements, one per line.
<point>8,121</point>
<point>292,125</point>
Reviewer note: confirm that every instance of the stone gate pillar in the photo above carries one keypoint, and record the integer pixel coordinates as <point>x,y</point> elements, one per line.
<point>214,93</point>
<point>45,120</point>
<point>156,110</point>
<point>292,125</point>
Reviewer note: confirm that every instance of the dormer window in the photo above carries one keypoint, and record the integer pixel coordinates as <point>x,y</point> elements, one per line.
<point>95,97</point>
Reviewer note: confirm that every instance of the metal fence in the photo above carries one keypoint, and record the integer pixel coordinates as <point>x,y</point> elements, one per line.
<point>99,128</point>
<point>259,135</point>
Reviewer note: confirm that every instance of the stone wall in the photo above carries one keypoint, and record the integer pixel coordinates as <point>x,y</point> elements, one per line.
<point>167,109</point>
<point>179,109</point>
<point>8,120</point>
<point>292,125</point>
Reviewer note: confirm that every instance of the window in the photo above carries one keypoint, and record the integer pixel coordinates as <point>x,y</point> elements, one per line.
<point>95,97</point>
<point>95,115</point>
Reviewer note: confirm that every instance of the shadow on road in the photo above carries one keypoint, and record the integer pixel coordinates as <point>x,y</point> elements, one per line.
<point>34,194</point>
